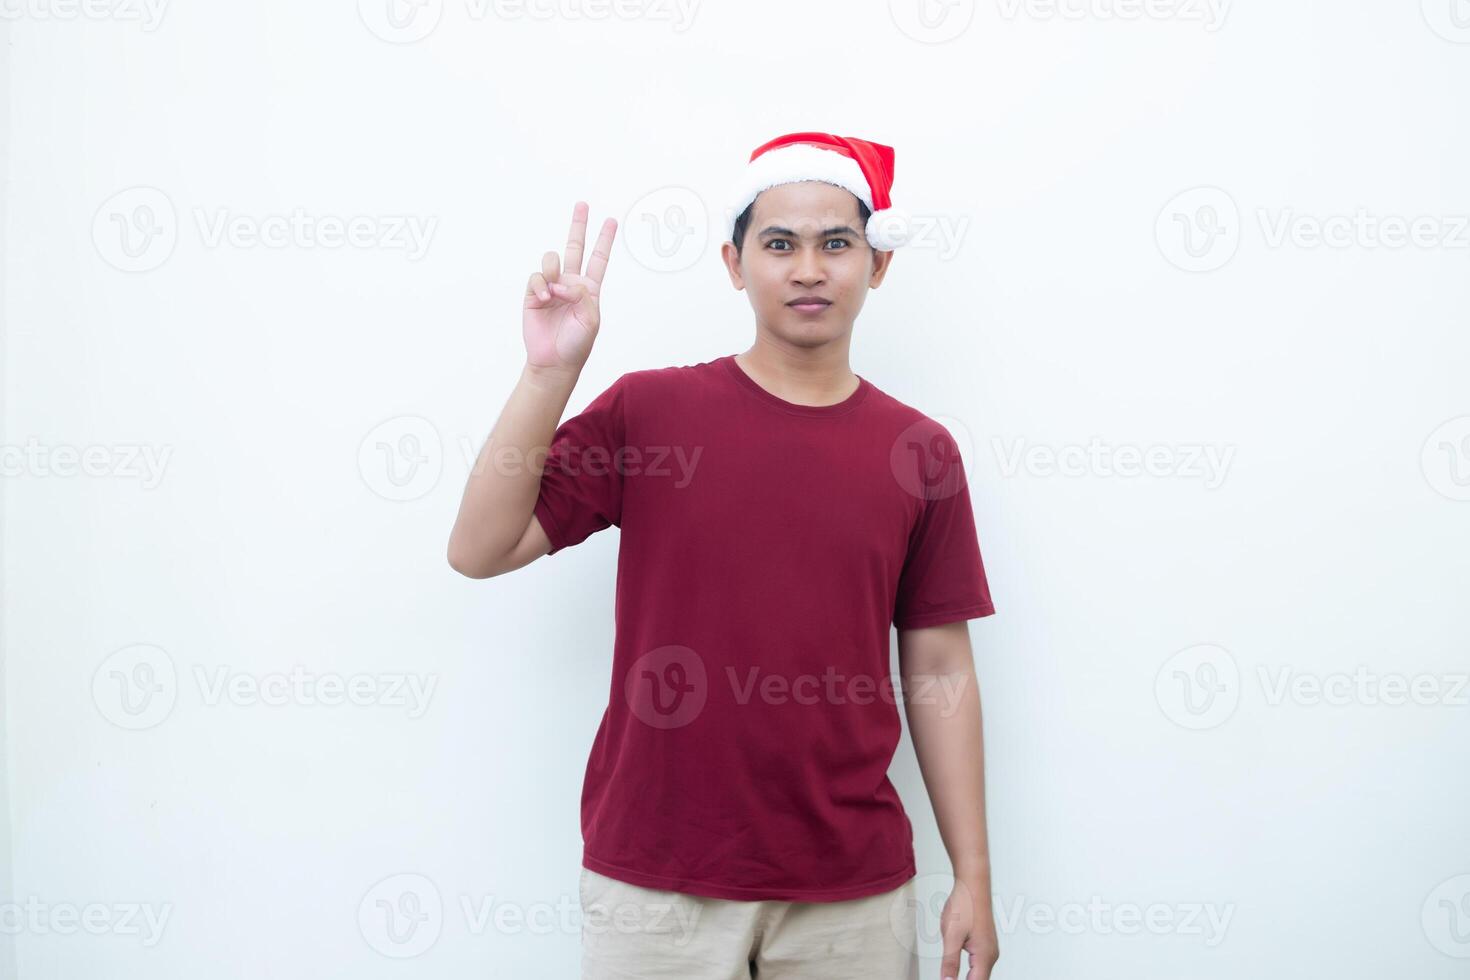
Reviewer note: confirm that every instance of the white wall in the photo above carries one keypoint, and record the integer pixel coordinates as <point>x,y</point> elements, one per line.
<point>237,524</point>
<point>7,940</point>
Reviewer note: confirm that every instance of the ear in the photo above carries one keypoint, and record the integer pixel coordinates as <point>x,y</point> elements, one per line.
<point>881,261</point>
<point>732,264</point>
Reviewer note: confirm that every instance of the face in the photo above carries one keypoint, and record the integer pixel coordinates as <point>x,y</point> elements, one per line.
<point>804,239</point>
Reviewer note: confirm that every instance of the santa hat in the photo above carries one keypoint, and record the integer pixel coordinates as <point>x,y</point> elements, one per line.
<point>860,166</point>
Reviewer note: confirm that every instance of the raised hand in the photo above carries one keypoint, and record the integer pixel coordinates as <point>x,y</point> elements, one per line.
<point>561,313</point>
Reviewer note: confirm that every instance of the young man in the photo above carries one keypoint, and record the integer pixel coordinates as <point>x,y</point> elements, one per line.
<point>778,514</point>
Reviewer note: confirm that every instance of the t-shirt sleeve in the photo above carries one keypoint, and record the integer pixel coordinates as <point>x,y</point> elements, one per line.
<point>582,481</point>
<point>943,577</point>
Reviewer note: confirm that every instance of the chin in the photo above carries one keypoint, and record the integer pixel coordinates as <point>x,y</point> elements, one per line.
<point>807,334</point>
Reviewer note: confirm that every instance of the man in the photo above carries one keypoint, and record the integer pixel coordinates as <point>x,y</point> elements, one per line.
<point>778,514</point>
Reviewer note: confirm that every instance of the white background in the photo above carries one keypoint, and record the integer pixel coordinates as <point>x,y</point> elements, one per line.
<point>1102,188</point>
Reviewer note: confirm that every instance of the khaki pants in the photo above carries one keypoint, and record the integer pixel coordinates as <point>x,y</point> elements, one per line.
<point>634,933</point>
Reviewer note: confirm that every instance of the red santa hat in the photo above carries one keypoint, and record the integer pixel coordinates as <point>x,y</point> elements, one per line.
<point>860,166</point>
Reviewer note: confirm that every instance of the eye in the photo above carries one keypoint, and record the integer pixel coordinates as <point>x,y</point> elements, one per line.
<point>840,241</point>
<point>777,241</point>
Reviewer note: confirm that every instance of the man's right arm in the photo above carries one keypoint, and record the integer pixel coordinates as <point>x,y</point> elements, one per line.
<point>496,530</point>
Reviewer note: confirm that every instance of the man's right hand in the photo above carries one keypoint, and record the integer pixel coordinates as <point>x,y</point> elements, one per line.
<point>561,313</point>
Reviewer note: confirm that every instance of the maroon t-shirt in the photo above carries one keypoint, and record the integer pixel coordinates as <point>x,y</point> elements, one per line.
<point>767,547</point>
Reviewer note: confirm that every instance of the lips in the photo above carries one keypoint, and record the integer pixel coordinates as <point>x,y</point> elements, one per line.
<point>809,304</point>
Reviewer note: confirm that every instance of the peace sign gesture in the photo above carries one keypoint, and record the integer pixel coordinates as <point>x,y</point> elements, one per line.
<point>560,316</point>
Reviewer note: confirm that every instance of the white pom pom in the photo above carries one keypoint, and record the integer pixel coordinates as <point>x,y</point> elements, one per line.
<point>889,229</point>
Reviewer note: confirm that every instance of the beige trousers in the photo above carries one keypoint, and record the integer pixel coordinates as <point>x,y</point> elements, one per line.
<point>634,933</point>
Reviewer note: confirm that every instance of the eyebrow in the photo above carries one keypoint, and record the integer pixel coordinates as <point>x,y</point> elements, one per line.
<point>826,233</point>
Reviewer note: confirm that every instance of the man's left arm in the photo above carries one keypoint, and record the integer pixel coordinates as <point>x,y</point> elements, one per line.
<point>942,704</point>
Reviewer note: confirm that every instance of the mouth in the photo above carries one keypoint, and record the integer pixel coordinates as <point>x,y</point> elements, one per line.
<point>809,305</point>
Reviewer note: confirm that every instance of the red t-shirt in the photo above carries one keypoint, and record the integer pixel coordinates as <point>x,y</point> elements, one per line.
<point>766,549</point>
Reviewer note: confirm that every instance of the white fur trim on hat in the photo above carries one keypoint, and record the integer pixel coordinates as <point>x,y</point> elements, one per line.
<point>886,229</point>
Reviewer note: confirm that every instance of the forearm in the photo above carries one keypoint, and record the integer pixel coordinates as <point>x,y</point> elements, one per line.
<point>500,494</point>
<point>942,704</point>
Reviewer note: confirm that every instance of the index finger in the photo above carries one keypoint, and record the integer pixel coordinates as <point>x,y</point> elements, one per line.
<point>575,239</point>
<point>597,264</point>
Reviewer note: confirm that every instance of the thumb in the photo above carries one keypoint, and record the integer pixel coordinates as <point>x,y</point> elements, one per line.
<point>949,965</point>
<point>582,298</point>
<point>577,293</point>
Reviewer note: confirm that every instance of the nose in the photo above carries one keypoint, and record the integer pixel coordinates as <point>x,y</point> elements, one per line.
<point>808,268</point>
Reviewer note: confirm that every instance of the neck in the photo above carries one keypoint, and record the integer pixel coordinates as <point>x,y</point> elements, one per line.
<point>802,375</point>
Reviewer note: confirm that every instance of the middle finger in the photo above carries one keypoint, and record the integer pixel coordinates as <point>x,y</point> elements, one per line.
<point>576,238</point>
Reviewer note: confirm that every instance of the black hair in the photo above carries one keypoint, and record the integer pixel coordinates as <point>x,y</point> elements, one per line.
<point>742,223</point>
